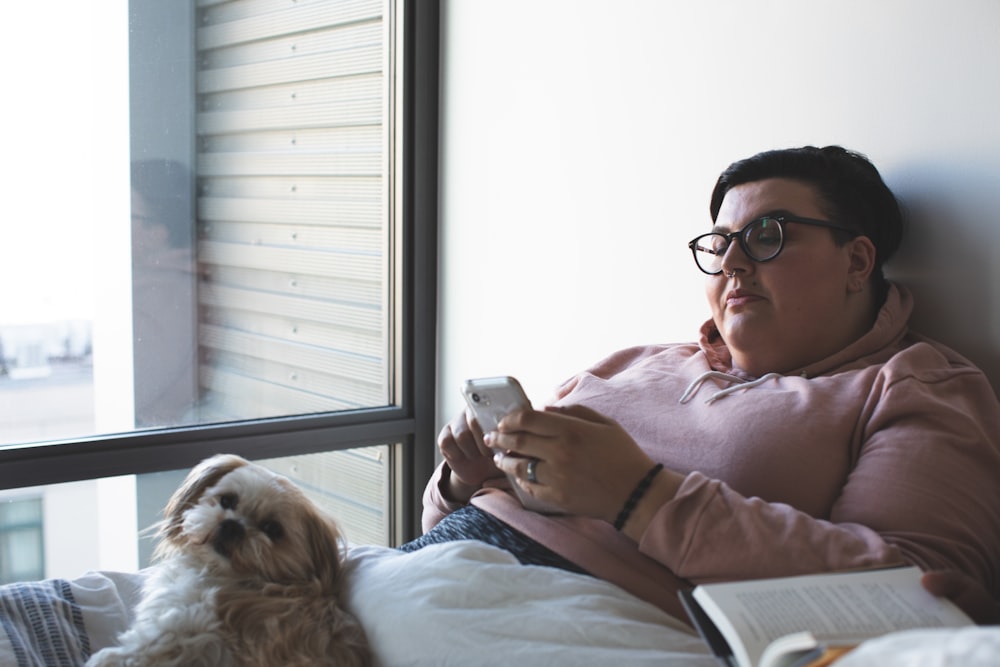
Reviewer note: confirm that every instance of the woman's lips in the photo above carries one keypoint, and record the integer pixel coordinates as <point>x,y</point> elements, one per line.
<point>738,297</point>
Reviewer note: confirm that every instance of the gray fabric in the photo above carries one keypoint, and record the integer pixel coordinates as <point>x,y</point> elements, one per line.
<point>472,523</point>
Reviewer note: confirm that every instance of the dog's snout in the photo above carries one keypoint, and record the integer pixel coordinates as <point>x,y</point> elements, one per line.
<point>229,534</point>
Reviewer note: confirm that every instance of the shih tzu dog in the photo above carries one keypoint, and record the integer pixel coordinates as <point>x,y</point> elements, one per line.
<point>248,572</point>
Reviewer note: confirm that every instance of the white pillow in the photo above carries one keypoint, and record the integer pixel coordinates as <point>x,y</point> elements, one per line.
<point>468,603</point>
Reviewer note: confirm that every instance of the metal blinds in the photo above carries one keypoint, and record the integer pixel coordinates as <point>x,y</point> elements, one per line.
<point>293,229</point>
<point>292,206</point>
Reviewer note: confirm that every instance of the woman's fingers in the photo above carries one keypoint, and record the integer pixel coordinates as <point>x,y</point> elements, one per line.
<point>527,469</point>
<point>970,595</point>
<point>551,421</point>
<point>461,444</point>
<point>462,437</point>
<point>580,412</point>
<point>544,433</point>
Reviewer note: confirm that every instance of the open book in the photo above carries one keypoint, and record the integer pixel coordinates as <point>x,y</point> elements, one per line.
<point>794,621</point>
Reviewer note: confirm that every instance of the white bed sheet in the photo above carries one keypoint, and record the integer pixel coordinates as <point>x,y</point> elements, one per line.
<point>466,603</point>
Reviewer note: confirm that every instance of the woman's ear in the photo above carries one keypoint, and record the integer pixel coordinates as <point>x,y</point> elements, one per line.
<point>861,254</point>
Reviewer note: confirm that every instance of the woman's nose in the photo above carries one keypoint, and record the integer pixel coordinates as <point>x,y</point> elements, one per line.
<point>736,259</point>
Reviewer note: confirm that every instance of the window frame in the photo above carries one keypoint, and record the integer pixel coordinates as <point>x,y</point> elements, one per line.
<point>409,424</point>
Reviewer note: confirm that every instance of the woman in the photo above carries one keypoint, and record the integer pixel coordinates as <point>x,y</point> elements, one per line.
<point>807,430</point>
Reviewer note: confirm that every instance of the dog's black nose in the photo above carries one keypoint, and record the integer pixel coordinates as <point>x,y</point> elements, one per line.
<point>229,534</point>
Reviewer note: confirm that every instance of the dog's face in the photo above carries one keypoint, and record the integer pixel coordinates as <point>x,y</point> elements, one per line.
<point>239,518</point>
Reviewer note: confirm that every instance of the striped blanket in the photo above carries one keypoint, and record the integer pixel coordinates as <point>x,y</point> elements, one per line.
<point>43,624</point>
<point>58,622</point>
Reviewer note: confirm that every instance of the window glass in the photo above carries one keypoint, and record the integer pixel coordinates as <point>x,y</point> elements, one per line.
<point>203,235</point>
<point>226,256</point>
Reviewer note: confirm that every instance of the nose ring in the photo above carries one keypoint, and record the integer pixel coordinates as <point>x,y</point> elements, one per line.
<point>730,274</point>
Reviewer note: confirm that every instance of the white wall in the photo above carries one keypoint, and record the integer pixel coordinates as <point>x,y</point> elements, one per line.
<point>581,139</point>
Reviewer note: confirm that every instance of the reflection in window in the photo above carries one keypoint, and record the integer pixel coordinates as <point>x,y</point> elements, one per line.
<point>163,294</point>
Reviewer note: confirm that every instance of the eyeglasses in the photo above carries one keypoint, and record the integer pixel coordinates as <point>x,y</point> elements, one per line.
<point>761,239</point>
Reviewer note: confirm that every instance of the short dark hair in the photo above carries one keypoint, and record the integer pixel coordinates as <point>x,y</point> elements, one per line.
<point>851,190</point>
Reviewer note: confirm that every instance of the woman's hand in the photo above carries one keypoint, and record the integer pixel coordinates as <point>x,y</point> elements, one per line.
<point>471,461</point>
<point>587,463</point>
<point>970,595</point>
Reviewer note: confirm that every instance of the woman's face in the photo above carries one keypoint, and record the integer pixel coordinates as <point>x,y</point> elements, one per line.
<point>799,307</point>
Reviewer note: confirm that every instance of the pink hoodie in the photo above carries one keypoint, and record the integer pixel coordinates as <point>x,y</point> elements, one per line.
<point>887,452</point>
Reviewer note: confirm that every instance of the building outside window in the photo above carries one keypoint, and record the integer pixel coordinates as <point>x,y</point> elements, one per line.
<point>245,264</point>
<point>22,552</point>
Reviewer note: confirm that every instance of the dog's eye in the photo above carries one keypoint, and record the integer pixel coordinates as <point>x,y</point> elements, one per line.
<point>228,501</point>
<point>272,529</point>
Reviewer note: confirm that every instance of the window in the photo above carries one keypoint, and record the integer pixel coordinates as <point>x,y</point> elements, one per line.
<point>263,262</point>
<point>22,555</point>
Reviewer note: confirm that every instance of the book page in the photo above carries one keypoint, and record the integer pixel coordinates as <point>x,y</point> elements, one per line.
<point>845,607</point>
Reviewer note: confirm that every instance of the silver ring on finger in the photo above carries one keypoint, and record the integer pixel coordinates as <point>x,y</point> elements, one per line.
<point>532,471</point>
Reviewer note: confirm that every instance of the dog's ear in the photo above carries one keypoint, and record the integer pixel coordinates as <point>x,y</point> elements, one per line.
<point>203,476</point>
<point>324,546</point>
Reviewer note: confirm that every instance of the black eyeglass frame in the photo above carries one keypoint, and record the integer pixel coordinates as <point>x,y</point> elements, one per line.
<point>740,235</point>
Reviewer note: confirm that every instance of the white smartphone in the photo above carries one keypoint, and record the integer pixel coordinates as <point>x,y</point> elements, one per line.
<point>490,400</point>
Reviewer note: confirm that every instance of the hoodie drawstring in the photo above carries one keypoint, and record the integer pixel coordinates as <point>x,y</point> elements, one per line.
<point>726,377</point>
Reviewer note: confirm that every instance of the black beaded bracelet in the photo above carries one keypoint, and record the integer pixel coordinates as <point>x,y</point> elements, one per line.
<point>637,494</point>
